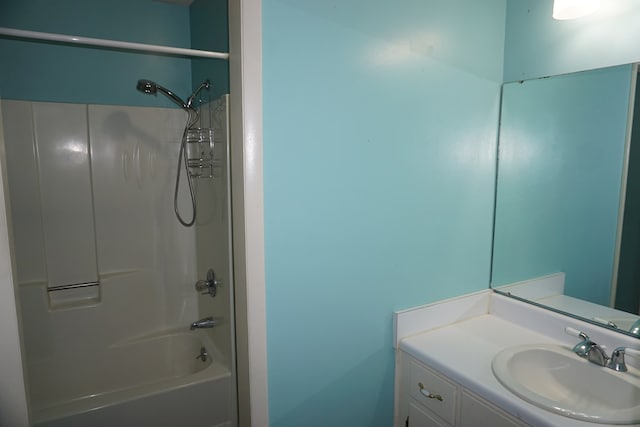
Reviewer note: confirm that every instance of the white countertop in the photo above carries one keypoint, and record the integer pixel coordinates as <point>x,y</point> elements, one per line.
<point>463,350</point>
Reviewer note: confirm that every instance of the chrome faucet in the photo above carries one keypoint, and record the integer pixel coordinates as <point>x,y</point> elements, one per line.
<point>587,349</point>
<point>207,322</point>
<point>591,351</point>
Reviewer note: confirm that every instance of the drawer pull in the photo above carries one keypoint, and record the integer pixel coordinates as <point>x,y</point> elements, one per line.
<point>427,394</point>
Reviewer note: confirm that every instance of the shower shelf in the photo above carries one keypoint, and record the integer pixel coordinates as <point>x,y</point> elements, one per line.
<point>76,295</point>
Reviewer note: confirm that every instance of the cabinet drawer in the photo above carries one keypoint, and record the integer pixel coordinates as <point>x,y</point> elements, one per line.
<point>424,382</point>
<point>418,417</point>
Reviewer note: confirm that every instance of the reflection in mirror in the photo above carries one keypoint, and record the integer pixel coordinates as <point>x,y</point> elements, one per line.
<point>567,225</point>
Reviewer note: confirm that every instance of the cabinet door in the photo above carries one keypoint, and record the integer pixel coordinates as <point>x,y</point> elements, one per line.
<point>425,383</point>
<point>477,413</point>
<point>419,417</point>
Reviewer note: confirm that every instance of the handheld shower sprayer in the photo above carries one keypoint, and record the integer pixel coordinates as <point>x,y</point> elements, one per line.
<point>152,88</point>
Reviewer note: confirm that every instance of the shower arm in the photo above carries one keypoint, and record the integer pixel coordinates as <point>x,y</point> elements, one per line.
<point>174,97</point>
<point>203,85</point>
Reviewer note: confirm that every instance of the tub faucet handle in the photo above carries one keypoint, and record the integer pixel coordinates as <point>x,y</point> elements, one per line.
<point>210,285</point>
<point>203,354</point>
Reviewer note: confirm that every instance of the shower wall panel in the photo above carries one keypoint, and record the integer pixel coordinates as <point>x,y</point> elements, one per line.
<point>24,203</point>
<point>146,261</point>
<point>50,183</point>
<point>134,155</point>
<point>62,149</point>
<point>213,238</point>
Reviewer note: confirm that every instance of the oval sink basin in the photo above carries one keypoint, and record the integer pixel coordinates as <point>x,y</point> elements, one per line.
<point>554,378</point>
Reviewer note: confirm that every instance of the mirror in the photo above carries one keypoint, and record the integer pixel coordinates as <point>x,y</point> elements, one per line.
<point>567,220</point>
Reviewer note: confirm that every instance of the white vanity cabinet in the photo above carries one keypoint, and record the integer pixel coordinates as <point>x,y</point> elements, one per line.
<point>426,398</point>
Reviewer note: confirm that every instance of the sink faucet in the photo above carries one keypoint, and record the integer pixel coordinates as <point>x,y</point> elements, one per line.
<point>207,322</point>
<point>591,351</point>
<point>587,349</point>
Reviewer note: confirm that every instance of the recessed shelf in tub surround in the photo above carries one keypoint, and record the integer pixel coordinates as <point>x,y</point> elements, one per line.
<point>459,338</point>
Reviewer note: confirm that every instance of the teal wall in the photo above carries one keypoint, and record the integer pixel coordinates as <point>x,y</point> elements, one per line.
<point>55,72</point>
<point>379,155</point>
<point>562,144</point>
<point>537,45</point>
<point>210,31</point>
<point>628,291</point>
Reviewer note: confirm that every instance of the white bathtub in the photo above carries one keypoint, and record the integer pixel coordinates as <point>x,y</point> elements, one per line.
<point>156,380</point>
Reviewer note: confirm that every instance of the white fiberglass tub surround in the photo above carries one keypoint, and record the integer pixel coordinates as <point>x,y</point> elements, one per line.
<point>118,352</point>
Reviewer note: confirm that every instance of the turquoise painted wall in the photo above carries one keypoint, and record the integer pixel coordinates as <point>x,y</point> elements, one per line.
<point>628,291</point>
<point>537,45</point>
<point>379,154</point>
<point>53,72</point>
<point>210,31</point>
<point>562,144</point>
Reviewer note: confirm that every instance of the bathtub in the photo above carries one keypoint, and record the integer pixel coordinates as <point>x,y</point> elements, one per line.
<point>155,380</point>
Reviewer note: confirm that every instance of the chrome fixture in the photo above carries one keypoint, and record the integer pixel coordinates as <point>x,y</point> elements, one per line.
<point>210,285</point>
<point>617,358</point>
<point>203,354</point>
<point>152,88</point>
<point>605,321</point>
<point>635,328</point>
<point>207,322</point>
<point>591,351</point>
<point>587,349</point>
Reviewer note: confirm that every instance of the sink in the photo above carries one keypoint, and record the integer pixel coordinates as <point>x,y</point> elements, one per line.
<point>552,377</point>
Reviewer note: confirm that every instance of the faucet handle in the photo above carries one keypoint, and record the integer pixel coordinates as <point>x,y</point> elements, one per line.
<point>617,363</point>
<point>210,285</point>
<point>575,333</point>
<point>583,348</point>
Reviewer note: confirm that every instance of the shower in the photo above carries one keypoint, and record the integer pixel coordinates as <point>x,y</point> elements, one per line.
<point>152,88</point>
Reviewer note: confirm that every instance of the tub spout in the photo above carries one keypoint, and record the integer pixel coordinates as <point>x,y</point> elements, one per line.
<point>207,322</point>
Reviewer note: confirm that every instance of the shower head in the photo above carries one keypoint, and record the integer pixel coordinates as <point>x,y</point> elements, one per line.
<point>147,86</point>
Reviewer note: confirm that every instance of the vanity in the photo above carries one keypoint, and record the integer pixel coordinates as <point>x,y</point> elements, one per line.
<point>489,360</point>
<point>564,273</point>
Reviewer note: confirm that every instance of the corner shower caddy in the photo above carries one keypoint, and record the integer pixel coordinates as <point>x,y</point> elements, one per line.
<point>200,152</point>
